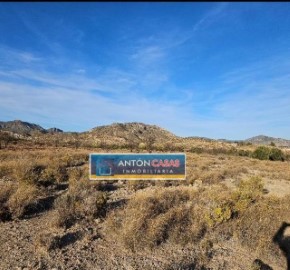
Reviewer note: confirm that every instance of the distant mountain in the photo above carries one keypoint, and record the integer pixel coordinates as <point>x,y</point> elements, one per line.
<point>54,130</point>
<point>20,127</point>
<point>124,132</point>
<point>266,140</point>
<point>25,128</point>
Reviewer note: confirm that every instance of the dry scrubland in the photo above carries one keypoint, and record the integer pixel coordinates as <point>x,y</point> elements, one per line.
<point>224,216</point>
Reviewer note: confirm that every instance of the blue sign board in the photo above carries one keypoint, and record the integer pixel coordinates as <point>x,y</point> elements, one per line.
<point>153,166</point>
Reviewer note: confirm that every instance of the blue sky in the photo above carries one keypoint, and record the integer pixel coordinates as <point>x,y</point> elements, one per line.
<point>219,70</point>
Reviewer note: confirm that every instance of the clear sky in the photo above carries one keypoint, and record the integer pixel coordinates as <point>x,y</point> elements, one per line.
<point>218,70</point>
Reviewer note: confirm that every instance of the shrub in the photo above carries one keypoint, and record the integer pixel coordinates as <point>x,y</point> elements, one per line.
<point>65,206</point>
<point>265,153</point>
<point>262,153</point>
<point>26,195</point>
<point>168,147</point>
<point>47,241</point>
<point>5,139</point>
<point>28,172</point>
<point>219,214</point>
<point>142,146</point>
<point>217,204</point>
<point>71,207</point>
<point>153,217</point>
<point>72,160</point>
<point>248,192</point>
<point>6,190</point>
<point>276,154</point>
<point>181,215</point>
<point>4,170</point>
<point>81,201</point>
<point>55,171</point>
<point>244,153</point>
<point>257,226</point>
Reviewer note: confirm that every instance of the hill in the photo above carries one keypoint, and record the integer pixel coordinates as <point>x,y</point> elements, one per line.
<point>138,132</point>
<point>20,127</point>
<point>25,128</point>
<point>266,140</point>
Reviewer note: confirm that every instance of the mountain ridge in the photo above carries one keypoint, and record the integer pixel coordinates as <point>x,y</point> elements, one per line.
<point>21,127</point>
<point>130,131</point>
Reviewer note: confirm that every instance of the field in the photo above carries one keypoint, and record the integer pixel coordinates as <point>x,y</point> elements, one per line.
<point>225,215</point>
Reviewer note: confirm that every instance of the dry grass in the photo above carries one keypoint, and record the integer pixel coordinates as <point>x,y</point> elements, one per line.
<point>159,213</point>
<point>203,217</point>
<point>25,196</point>
<point>82,201</point>
<point>6,190</point>
<point>27,172</point>
<point>211,169</point>
<point>46,241</point>
<point>177,215</point>
<point>257,226</point>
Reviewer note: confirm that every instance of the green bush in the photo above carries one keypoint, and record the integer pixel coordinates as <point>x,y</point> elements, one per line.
<point>276,154</point>
<point>266,153</point>
<point>262,153</point>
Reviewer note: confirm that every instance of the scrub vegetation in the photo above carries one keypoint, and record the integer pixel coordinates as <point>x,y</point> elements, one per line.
<point>223,216</point>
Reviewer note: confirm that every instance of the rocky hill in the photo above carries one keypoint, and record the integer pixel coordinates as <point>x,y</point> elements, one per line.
<point>125,132</point>
<point>25,128</point>
<point>266,140</point>
<point>20,127</point>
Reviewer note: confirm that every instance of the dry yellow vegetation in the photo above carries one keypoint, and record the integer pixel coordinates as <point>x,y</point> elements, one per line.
<point>228,201</point>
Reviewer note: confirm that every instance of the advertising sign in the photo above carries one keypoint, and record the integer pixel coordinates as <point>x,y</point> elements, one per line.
<point>137,166</point>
